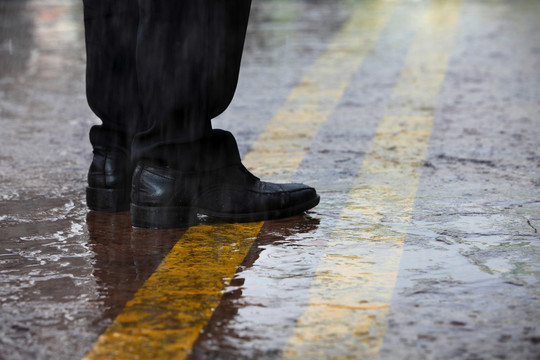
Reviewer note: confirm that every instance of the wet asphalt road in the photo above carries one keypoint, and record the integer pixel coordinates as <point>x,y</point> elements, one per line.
<point>417,121</point>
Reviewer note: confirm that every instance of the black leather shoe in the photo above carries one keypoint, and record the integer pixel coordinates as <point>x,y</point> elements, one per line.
<point>165,198</point>
<point>109,181</point>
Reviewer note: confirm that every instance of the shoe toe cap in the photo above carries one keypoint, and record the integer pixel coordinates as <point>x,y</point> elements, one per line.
<point>299,193</point>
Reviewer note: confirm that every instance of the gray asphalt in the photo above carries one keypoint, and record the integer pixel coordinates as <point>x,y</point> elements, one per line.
<point>468,284</point>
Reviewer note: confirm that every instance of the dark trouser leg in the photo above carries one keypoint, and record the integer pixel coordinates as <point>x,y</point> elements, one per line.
<point>112,93</point>
<point>188,59</point>
<point>111,82</point>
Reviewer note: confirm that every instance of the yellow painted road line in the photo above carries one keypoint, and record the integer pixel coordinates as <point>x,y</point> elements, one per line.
<point>350,296</point>
<point>289,134</point>
<point>165,316</point>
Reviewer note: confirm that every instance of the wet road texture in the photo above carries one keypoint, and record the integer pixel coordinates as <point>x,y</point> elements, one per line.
<point>417,121</point>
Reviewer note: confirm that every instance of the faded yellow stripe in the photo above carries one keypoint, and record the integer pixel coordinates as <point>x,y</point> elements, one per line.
<point>357,274</point>
<point>289,134</point>
<point>167,313</point>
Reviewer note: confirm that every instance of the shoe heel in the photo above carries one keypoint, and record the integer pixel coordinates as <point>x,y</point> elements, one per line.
<point>162,217</point>
<point>108,200</point>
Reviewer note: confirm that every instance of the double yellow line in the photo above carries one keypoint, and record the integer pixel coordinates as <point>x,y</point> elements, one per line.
<point>168,312</point>
<point>345,316</point>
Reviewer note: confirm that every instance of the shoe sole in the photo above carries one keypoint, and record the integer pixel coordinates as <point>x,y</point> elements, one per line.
<point>153,217</point>
<point>265,215</point>
<point>108,200</point>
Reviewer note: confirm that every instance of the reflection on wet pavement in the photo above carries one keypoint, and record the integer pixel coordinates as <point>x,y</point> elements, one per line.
<point>264,289</point>
<point>418,250</point>
<point>124,257</point>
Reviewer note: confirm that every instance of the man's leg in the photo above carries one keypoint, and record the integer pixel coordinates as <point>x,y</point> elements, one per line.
<point>188,59</point>
<point>112,93</point>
